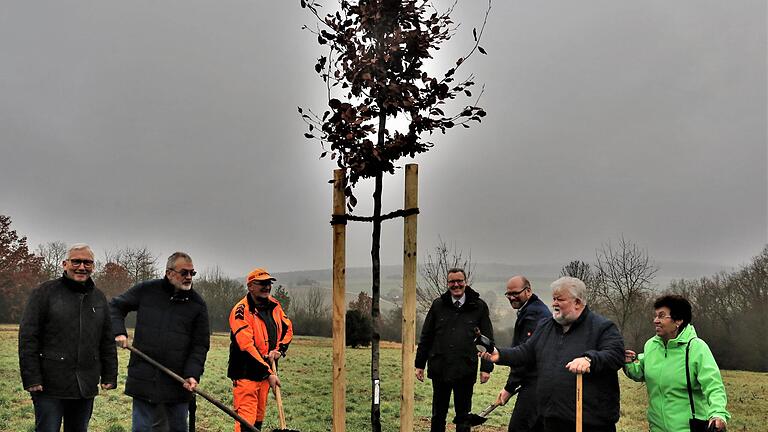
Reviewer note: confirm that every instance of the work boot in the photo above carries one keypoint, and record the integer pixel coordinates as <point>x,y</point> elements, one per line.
<point>258,424</point>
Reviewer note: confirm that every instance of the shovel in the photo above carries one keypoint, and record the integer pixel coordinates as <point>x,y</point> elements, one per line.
<point>579,400</point>
<point>243,422</point>
<point>279,400</point>
<point>476,419</point>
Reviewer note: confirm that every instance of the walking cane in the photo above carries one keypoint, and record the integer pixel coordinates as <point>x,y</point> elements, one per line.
<point>579,400</point>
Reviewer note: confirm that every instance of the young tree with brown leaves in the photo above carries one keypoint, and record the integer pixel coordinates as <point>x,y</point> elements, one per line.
<point>375,72</point>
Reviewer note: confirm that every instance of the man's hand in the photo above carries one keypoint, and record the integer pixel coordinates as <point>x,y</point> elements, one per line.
<point>420,374</point>
<point>491,357</point>
<point>719,423</point>
<point>274,355</point>
<point>274,382</point>
<point>503,397</point>
<point>121,341</point>
<point>484,377</point>
<point>35,388</point>
<point>579,365</point>
<point>629,356</point>
<point>190,384</point>
<point>107,386</point>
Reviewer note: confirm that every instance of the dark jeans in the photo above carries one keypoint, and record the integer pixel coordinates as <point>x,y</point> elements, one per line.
<point>49,413</point>
<point>525,416</point>
<point>441,397</point>
<point>559,425</point>
<point>145,415</point>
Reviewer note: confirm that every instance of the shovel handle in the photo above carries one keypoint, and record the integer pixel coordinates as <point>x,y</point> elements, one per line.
<point>279,399</point>
<point>488,410</point>
<point>579,400</point>
<point>243,422</point>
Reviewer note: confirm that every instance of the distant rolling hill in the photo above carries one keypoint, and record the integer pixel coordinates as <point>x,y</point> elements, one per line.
<point>488,278</point>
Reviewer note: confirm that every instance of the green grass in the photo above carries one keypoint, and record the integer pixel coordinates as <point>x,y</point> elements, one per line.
<point>306,373</point>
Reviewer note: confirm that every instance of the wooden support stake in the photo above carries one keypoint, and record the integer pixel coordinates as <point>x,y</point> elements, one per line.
<point>409,298</point>
<point>339,305</point>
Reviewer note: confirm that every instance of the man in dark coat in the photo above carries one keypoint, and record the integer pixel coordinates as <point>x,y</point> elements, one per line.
<point>575,341</point>
<point>447,347</point>
<point>66,346</point>
<point>530,311</point>
<point>172,328</point>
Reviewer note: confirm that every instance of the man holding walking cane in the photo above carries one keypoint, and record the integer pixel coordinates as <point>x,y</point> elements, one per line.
<point>575,341</point>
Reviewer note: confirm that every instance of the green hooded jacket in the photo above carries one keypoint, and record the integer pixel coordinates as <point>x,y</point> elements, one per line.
<point>663,370</point>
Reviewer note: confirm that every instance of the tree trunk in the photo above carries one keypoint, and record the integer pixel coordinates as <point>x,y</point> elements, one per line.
<point>376,287</point>
<point>375,321</point>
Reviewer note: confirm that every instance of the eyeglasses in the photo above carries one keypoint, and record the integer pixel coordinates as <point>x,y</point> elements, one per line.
<point>661,316</point>
<point>184,272</point>
<point>514,293</point>
<point>260,282</point>
<point>455,281</point>
<point>78,262</point>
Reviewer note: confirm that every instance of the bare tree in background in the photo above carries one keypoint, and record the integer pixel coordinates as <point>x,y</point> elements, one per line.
<point>434,272</point>
<point>53,254</point>
<point>584,272</point>
<point>623,281</point>
<point>140,263</point>
<point>112,279</point>
<point>221,293</point>
<point>729,310</point>
<point>310,315</point>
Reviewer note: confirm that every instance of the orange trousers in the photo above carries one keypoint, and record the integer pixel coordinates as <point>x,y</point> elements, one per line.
<point>250,399</point>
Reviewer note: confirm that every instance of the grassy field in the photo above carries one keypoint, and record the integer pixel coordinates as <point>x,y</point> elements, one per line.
<point>307,393</point>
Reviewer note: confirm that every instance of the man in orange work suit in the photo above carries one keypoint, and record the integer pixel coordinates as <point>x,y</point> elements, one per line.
<point>260,333</point>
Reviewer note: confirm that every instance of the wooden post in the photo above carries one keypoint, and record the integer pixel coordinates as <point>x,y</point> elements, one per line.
<point>409,298</point>
<point>339,305</point>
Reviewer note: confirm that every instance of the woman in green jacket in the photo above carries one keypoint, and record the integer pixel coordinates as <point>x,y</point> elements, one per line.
<point>662,367</point>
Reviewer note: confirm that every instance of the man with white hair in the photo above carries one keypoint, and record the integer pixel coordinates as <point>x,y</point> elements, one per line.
<point>66,347</point>
<point>575,341</point>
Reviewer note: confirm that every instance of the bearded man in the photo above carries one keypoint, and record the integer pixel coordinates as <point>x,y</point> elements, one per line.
<point>172,328</point>
<point>574,341</point>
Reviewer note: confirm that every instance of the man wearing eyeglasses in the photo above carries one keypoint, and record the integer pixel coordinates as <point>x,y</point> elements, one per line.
<point>172,328</point>
<point>260,335</point>
<point>448,350</point>
<point>530,311</point>
<point>66,346</point>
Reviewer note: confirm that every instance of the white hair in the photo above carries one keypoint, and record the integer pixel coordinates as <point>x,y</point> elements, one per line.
<point>79,246</point>
<point>573,285</point>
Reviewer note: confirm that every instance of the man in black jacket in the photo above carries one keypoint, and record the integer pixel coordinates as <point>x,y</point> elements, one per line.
<point>172,328</point>
<point>447,348</point>
<point>66,346</point>
<point>575,341</point>
<point>530,311</point>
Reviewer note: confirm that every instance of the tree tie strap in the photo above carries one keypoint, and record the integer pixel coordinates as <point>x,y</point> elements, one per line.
<point>342,219</point>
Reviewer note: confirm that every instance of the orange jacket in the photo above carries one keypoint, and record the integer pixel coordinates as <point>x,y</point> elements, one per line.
<point>249,339</point>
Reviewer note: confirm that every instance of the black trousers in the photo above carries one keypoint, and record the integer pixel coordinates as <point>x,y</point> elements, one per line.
<point>441,397</point>
<point>525,416</point>
<point>559,425</point>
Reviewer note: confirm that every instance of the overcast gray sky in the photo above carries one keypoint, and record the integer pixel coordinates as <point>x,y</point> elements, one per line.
<point>173,125</point>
